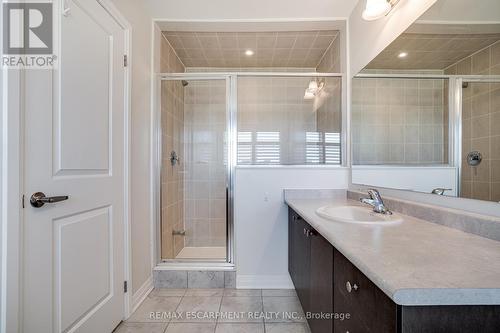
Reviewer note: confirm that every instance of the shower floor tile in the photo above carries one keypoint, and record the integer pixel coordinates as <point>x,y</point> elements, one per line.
<point>213,252</point>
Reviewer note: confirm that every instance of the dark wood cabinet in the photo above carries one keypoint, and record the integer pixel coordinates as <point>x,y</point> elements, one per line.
<point>369,308</point>
<point>450,319</point>
<point>327,282</point>
<point>300,249</point>
<point>311,268</point>
<point>321,284</point>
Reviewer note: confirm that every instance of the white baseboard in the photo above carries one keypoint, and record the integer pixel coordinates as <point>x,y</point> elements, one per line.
<point>141,293</point>
<point>264,282</point>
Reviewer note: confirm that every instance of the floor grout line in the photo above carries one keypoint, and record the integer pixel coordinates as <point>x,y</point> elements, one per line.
<point>263,311</point>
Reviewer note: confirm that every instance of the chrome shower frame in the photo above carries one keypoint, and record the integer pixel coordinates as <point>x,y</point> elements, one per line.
<point>231,127</point>
<point>216,264</point>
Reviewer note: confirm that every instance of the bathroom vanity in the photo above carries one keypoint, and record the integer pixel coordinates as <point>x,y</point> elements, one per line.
<point>366,272</point>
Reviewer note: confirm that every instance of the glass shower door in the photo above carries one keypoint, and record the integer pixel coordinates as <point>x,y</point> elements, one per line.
<point>194,170</point>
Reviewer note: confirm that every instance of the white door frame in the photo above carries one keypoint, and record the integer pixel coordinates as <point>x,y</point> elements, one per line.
<point>12,161</point>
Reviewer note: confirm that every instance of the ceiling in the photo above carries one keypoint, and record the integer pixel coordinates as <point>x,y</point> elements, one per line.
<point>430,51</point>
<point>231,10</point>
<point>271,49</point>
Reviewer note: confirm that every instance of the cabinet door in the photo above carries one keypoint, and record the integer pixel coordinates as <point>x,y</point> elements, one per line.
<point>342,302</point>
<point>321,283</point>
<point>292,216</point>
<point>303,261</point>
<point>370,309</point>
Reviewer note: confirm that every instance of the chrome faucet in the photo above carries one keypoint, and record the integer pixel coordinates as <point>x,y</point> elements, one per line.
<point>440,191</point>
<point>376,202</point>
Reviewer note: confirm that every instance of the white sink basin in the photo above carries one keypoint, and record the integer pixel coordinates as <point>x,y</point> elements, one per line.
<point>355,214</point>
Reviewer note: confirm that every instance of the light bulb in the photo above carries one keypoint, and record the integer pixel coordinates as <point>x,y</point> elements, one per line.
<point>376,9</point>
<point>308,94</point>
<point>313,85</point>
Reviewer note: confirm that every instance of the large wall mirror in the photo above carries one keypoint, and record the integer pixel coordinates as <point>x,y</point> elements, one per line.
<point>426,110</point>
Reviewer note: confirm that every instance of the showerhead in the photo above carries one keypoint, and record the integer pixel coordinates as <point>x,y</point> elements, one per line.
<point>184,83</point>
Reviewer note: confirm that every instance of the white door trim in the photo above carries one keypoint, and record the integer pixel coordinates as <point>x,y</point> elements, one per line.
<point>127,28</point>
<point>12,162</point>
<point>11,201</point>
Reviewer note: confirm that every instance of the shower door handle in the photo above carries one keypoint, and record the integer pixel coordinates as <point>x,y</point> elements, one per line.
<point>227,203</point>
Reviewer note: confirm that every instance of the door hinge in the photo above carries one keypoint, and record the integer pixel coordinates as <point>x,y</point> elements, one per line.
<point>125,286</point>
<point>23,200</point>
<point>125,60</point>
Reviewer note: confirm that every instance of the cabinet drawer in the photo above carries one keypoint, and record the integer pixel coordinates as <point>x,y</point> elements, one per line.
<point>370,309</point>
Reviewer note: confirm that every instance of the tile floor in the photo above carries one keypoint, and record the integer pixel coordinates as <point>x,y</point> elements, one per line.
<point>218,311</point>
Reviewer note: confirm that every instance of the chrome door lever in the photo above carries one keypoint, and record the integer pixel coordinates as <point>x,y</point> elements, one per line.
<point>39,199</point>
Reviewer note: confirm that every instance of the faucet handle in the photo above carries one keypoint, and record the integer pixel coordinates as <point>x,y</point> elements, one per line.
<point>374,194</point>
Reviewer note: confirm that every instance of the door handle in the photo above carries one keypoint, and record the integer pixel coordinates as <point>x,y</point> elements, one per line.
<point>39,199</point>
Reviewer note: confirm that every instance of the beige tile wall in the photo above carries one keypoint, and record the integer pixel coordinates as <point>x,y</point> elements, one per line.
<point>329,118</point>
<point>273,107</point>
<point>398,121</point>
<point>481,125</point>
<point>205,163</point>
<point>276,125</point>
<point>329,114</point>
<point>172,187</point>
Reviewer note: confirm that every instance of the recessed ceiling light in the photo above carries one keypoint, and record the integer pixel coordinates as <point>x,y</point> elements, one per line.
<point>403,55</point>
<point>249,53</point>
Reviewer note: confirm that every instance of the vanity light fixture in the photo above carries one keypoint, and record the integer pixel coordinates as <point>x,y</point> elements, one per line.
<point>308,95</point>
<point>313,89</point>
<point>376,9</point>
<point>249,53</point>
<point>403,55</point>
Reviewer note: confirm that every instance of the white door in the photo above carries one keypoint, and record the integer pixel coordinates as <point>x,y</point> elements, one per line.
<point>73,267</point>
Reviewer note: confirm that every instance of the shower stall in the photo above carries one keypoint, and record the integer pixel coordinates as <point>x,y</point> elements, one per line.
<point>195,175</point>
<point>208,123</point>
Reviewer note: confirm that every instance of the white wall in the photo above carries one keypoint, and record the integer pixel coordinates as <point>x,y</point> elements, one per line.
<point>136,14</point>
<point>368,38</point>
<point>261,219</point>
<point>420,179</point>
<point>463,10</point>
<point>256,9</point>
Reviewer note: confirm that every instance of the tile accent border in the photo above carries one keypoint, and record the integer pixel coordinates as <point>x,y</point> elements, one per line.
<point>481,225</point>
<point>186,279</point>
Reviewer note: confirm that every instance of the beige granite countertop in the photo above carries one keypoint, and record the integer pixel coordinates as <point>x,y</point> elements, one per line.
<point>414,262</point>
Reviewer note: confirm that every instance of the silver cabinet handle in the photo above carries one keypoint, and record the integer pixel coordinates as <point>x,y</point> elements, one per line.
<point>350,287</point>
<point>39,199</point>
